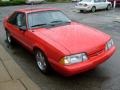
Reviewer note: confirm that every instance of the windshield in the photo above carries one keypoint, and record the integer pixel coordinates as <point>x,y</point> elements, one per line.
<point>86,0</point>
<point>46,18</point>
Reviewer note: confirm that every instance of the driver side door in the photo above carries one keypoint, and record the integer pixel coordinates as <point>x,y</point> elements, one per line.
<point>18,28</point>
<point>98,4</point>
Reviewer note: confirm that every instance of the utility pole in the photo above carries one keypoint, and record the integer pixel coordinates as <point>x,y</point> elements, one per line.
<point>114,4</point>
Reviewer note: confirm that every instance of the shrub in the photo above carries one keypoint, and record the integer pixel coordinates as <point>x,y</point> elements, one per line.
<point>58,0</point>
<point>12,2</point>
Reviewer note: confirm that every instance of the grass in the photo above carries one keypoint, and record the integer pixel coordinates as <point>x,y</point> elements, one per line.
<point>12,2</point>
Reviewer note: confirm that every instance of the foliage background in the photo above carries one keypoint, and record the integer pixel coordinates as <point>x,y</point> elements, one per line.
<point>19,2</point>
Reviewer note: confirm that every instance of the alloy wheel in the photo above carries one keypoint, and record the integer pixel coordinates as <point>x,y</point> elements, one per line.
<point>93,9</point>
<point>41,61</point>
<point>108,7</point>
<point>8,37</point>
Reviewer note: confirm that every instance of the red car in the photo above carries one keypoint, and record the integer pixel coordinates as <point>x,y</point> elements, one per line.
<point>56,41</point>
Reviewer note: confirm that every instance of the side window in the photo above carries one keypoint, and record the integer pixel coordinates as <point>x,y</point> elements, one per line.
<point>12,18</point>
<point>103,0</point>
<point>21,20</point>
<point>97,1</point>
<point>18,19</point>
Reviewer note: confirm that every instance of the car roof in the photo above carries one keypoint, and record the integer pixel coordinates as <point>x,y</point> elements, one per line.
<point>30,10</point>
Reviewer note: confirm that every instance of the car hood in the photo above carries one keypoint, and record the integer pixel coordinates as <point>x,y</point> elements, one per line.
<point>76,37</point>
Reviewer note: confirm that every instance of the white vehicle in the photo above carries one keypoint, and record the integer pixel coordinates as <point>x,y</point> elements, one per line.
<point>93,5</point>
<point>34,1</point>
<point>76,0</point>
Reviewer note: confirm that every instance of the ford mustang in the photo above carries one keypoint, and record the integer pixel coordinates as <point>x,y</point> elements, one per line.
<point>66,46</point>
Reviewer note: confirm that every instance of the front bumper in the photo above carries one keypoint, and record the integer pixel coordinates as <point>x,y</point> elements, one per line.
<point>84,66</point>
<point>87,8</point>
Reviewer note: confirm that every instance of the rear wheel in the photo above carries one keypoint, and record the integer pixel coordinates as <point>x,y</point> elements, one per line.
<point>84,11</point>
<point>81,11</point>
<point>42,62</point>
<point>8,38</point>
<point>109,7</point>
<point>93,9</point>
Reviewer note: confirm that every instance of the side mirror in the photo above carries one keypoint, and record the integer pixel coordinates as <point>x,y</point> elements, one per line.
<point>23,28</point>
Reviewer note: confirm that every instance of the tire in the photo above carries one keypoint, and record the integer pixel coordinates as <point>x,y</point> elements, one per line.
<point>93,9</point>
<point>84,11</point>
<point>42,62</point>
<point>109,7</point>
<point>8,38</point>
<point>81,11</point>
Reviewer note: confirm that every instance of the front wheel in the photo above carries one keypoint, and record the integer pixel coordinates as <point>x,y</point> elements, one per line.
<point>81,11</point>
<point>8,38</point>
<point>42,62</point>
<point>109,7</point>
<point>93,9</point>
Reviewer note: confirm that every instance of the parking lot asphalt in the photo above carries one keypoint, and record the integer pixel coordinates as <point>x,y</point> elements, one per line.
<point>104,77</point>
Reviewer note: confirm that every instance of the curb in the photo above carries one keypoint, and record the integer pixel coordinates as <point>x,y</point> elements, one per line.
<point>13,77</point>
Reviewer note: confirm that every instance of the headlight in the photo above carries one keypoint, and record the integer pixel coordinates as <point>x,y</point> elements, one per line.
<point>77,58</point>
<point>109,44</point>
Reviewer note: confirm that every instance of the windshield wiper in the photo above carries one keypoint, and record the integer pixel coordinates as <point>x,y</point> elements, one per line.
<point>59,22</point>
<point>44,24</point>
